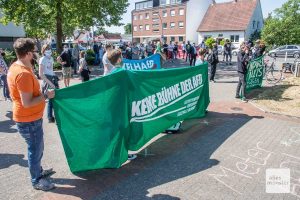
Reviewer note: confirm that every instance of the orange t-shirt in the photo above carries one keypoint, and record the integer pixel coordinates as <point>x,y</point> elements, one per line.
<point>22,79</point>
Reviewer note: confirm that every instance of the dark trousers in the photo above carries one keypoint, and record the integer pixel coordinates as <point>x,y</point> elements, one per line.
<point>213,68</point>
<point>45,87</point>
<point>85,75</point>
<point>188,55</point>
<point>241,87</point>
<point>193,60</point>
<point>5,86</point>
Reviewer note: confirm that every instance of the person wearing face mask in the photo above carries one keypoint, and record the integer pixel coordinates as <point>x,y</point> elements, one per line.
<point>242,61</point>
<point>65,59</point>
<point>50,80</point>
<point>28,108</point>
<point>3,75</point>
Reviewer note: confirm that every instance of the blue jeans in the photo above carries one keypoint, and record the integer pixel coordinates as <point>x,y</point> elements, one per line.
<point>33,134</point>
<point>50,109</point>
<point>5,86</point>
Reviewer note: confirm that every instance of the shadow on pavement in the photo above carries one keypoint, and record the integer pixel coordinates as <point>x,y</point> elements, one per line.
<point>7,160</point>
<point>6,125</point>
<point>175,157</point>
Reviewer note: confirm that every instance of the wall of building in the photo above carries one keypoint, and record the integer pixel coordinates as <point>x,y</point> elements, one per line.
<point>257,17</point>
<point>9,33</point>
<point>168,32</point>
<point>226,34</point>
<point>196,10</point>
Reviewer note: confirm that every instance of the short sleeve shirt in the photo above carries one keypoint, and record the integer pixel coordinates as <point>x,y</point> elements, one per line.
<point>107,65</point>
<point>66,57</point>
<point>47,64</point>
<point>22,79</point>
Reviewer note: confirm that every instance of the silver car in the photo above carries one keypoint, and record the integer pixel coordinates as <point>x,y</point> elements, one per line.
<point>290,50</point>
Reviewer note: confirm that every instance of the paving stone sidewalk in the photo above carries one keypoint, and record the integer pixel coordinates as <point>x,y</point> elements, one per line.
<point>222,156</point>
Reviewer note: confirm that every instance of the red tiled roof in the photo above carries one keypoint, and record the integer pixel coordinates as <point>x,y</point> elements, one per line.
<point>229,16</point>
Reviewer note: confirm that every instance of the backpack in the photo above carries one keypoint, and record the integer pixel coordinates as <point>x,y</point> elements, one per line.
<point>210,58</point>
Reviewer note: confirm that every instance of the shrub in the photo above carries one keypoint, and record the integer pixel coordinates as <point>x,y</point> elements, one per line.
<point>209,42</point>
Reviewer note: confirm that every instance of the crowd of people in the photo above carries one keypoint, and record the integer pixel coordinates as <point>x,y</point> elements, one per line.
<point>23,88</point>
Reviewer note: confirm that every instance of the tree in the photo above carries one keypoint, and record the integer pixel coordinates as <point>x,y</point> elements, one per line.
<point>209,42</point>
<point>61,17</point>
<point>128,28</point>
<point>284,26</point>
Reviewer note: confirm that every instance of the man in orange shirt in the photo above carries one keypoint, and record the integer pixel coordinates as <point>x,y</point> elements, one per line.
<point>28,108</point>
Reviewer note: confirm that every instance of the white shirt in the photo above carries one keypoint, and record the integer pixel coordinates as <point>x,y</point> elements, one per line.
<point>108,67</point>
<point>47,64</point>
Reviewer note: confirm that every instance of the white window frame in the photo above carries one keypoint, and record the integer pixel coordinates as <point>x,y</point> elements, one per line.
<point>147,27</point>
<point>171,25</point>
<point>134,17</point>
<point>171,13</point>
<point>166,26</point>
<point>181,11</point>
<point>141,17</point>
<point>141,27</point>
<point>135,28</point>
<point>147,16</point>
<point>165,13</point>
<point>182,24</point>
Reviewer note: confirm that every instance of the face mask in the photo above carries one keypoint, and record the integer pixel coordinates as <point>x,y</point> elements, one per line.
<point>65,49</point>
<point>48,53</point>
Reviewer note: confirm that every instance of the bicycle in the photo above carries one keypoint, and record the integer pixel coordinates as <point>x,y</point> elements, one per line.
<point>273,75</point>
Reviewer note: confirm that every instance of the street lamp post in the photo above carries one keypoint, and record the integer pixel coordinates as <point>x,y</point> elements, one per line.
<point>162,33</point>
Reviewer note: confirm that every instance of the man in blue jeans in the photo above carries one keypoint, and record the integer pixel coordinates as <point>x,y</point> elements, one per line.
<point>28,108</point>
<point>3,75</point>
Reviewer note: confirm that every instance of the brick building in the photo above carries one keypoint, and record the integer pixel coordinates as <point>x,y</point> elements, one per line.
<point>172,20</point>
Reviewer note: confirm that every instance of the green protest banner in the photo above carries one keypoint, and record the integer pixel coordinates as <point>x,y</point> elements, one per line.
<point>100,120</point>
<point>255,73</point>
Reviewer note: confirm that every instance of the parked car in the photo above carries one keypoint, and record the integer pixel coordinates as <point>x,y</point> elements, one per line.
<point>235,52</point>
<point>290,50</point>
<point>220,49</point>
<point>70,45</point>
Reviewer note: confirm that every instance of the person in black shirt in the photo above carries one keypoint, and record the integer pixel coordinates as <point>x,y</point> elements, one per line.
<point>242,61</point>
<point>65,59</point>
<point>213,62</point>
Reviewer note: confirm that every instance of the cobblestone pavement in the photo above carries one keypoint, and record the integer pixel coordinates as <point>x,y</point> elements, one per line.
<point>222,156</point>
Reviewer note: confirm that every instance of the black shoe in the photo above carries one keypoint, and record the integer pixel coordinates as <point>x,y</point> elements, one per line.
<point>237,96</point>
<point>51,120</point>
<point>47,172</point>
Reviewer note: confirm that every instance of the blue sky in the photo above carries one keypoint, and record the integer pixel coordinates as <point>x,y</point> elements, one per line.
<point>267,7</point>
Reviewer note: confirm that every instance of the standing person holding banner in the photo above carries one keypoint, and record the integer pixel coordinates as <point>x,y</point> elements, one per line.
<point>106,64</point>
<point>149,49</point>
<point>242,60</point>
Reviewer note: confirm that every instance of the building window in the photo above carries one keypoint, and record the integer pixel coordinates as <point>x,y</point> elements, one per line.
<point>180,39</point>
<point>180,24</point>
<point>134,17</point>
<point>165,13</point>
<point>147,16</point>
<point>135,28</point>
<point>206,37</point>
<point>155,25</point>
<point>155,30</point>
<point>155,13</point>
<point>253,24</point>
<point>237,38</point>
<point>234,38</point>
<point>141,27</point>
<point>172,24</point>
<point>172,39</point>
<point>163,2</point>
<point>181,11</point>
<point>141,17</point>
<point>147,27</point>
<point>164,25</point>
<point>258,25</point>
<point>172,13</point>
<point>144,5</point>
<point>155,19</point>
<point>173,1</point>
